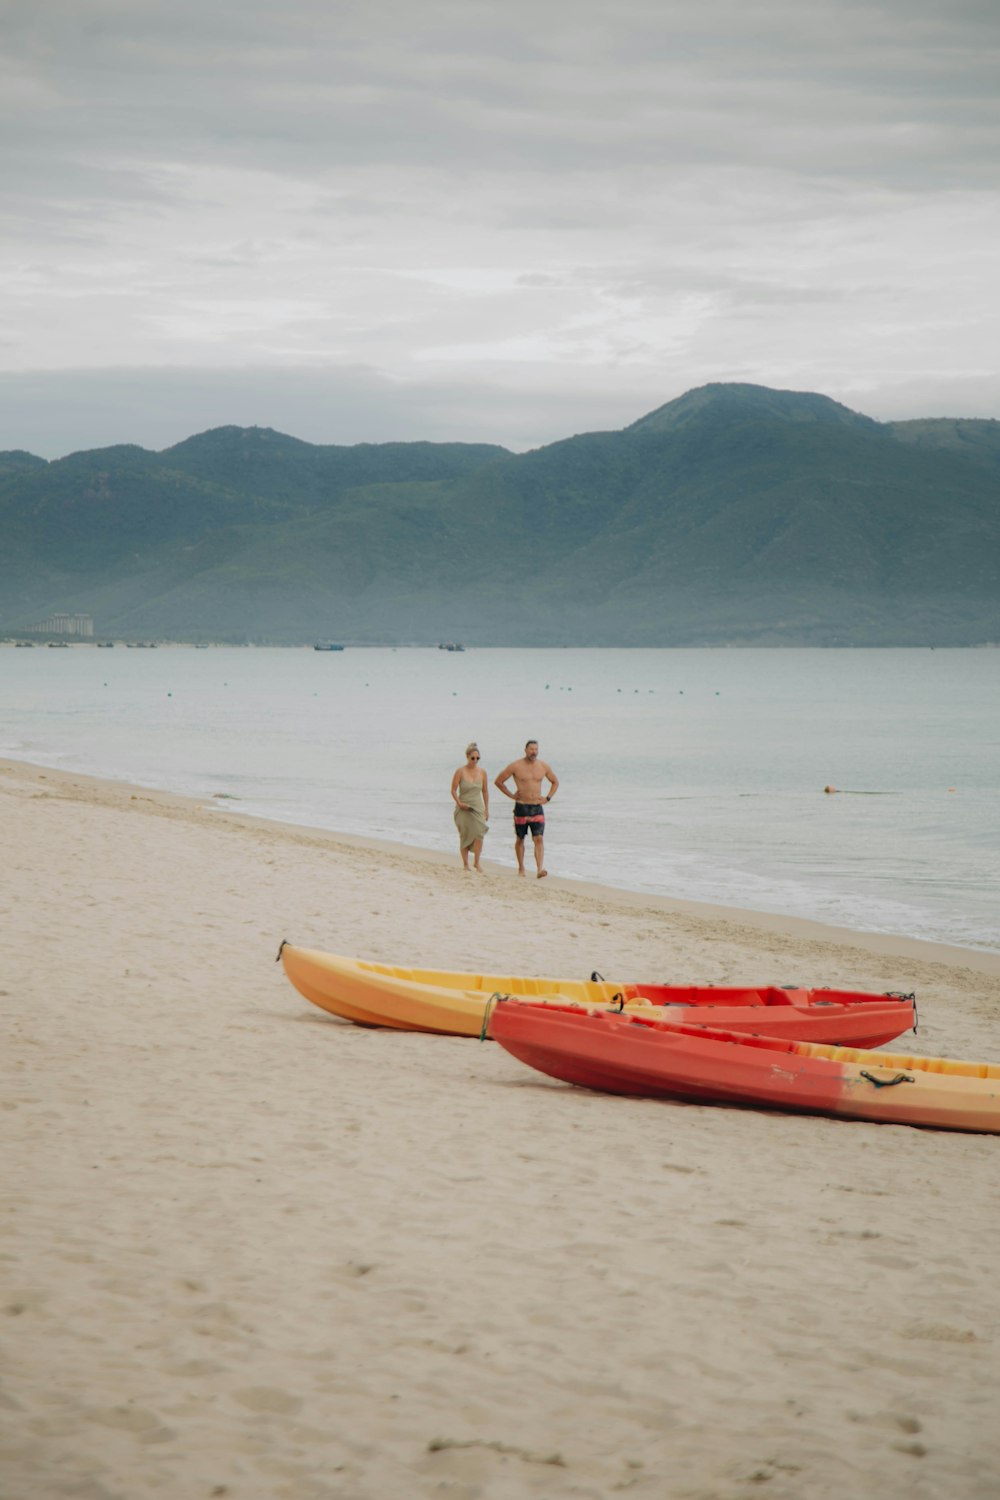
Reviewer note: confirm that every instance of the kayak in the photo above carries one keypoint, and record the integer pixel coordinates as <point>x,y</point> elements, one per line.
<point>653,1058</point>
<point>453,1002</point>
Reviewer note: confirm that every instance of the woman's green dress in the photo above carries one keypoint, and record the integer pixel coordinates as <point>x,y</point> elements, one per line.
<point>470,821</point>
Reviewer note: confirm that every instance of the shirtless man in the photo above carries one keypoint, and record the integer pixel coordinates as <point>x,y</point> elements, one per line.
<point>529,810</point>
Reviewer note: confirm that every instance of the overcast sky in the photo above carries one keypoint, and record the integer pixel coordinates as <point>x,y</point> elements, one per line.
<point>489,220</point>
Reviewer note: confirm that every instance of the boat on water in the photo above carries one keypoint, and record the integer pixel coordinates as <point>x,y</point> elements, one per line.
<point>327,646</point>
<point>455,1002</point>
<point>649,1057</point>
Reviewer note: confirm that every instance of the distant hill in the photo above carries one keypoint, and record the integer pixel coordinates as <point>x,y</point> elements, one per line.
<point>735,514</point>
<point>975,440</point>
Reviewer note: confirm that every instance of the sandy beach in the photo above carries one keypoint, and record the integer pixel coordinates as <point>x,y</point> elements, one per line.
<point>252,1251</point>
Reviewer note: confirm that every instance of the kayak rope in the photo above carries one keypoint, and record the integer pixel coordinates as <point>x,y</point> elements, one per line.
<point>887,1083</point>
<point>900,995</point>
<point>486,1013</point>
<point>284,944</point>
<point>596,978</point>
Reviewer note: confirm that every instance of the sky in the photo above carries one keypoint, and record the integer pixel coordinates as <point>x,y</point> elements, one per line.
<point>501,221</point>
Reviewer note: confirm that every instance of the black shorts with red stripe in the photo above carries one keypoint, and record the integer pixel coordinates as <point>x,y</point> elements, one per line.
<point>529,817</point>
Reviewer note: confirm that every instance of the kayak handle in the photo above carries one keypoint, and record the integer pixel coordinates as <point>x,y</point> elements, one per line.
<point>887,1083</point>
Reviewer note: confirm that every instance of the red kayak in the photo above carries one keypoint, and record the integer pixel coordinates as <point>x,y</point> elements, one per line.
<point>855,1018</point>
<point>652,1058</point>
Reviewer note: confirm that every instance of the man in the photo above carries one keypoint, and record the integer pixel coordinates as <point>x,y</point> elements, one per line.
<point>529,802</point>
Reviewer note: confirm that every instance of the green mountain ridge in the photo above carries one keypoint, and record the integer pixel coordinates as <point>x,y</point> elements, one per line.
<point>734,514</point>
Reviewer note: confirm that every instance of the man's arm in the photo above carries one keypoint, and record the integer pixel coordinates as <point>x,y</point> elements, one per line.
<point>553,781</point>
<point>505,776</point>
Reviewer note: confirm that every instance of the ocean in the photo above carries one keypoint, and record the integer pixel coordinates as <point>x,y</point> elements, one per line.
<point>688,773</point>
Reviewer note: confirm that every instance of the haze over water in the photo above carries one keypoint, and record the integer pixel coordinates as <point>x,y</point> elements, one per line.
<point>692,773</point>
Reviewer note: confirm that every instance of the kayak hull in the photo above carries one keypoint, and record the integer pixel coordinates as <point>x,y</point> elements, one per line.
<point>454,1003</point>
<point>653,1058</point>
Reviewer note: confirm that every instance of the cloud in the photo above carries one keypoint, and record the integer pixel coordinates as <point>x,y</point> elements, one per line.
<point>652,191</point>
<point>818,86</point>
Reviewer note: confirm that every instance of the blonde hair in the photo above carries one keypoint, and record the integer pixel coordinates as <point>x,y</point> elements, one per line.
<point>470,747</point>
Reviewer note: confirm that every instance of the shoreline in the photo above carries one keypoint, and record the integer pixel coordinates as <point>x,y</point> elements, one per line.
<point>880,944</point>
<point>152,643</point>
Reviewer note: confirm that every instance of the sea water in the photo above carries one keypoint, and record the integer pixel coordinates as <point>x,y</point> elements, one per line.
<point>689,773</point>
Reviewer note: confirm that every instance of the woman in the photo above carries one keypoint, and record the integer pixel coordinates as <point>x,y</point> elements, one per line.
<point>470,793</point>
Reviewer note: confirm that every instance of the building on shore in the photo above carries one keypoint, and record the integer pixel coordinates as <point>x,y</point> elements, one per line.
<point>81,625</point>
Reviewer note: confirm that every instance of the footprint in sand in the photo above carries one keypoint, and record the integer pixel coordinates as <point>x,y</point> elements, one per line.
<point>939,1333</point>
<point>267,1398</point>
<point>142,1424</point>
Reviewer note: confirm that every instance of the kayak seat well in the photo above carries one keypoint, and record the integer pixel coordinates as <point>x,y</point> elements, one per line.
<point>945,1065</point>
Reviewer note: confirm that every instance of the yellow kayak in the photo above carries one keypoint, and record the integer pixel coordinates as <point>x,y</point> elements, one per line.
<point>424,999</point>
<point>374,994</point>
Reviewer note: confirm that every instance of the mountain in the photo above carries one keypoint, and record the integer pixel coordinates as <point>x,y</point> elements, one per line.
<point>734,514</point>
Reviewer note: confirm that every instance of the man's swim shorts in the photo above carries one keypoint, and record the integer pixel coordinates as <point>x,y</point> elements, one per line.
<point>529,817</point>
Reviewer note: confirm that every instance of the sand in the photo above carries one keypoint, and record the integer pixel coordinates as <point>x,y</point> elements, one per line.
<point>252,1251</point>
